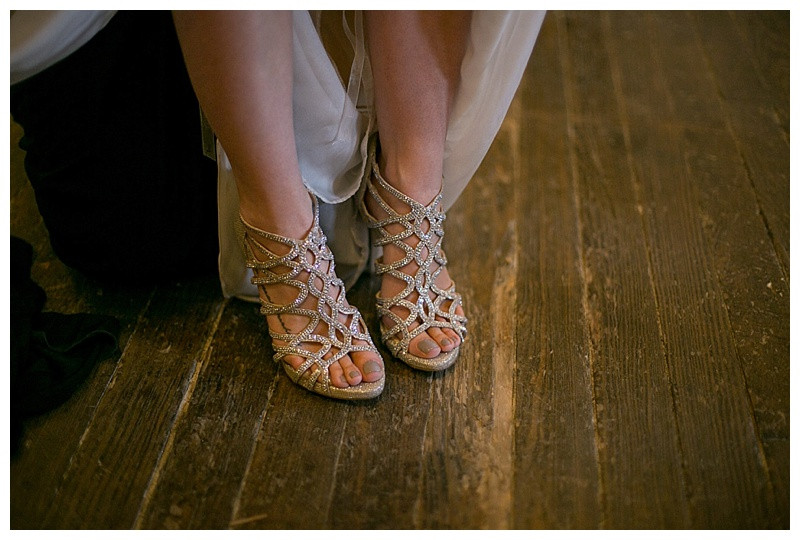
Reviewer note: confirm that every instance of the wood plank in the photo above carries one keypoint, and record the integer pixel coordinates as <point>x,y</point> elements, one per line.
<point>556,477</point>
<point>722,456</point>
<point>627,364</point>
<point>584,75</point>
<point>752,109</point>
<point>49,445</point>
<point>199,475</point>
<point>747,268</point>
<point>722,459</point>
<point>744,74</point>
<point>541,89</point>
<point>292,471</point>
<point>638,449</point>
<point>777,453</point>
<point>111,469</point>
<point>756,290</point>
<point>765,38</point>
<point>368,452</point>
<point>755,294</point>
<point>18,178</point>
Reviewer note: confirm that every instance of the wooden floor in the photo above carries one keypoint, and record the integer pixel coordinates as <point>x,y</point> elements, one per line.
<point>625,269</point>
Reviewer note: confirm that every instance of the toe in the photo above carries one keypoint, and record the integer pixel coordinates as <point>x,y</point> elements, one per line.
<point>296,362</point>
<point>452,336</point>
<point>444,341</point>
<point>424,347</point>
<point>351,372</point>
<point>337,375</point>
<point>369,364</point>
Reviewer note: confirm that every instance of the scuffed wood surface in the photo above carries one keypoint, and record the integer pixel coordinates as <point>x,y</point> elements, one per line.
<point>623,254</point>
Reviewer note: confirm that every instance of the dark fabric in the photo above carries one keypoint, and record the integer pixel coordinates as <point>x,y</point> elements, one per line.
<point>51,354</point>
<point>113,151</point>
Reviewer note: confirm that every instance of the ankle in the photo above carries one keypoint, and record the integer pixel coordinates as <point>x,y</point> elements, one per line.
<point>419,178</point>
<point>289,219</point>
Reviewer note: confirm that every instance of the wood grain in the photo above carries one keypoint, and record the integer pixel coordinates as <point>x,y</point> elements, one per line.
<point>209,438</point>
<point>623,253</point>
<point>755,111</point>
<point>468,471</point>
<point>556,476</point>
<point>636,427</point>
<point>752,279</point>
<point>381,459</point>
<point>698,338</point>
<point>292,471</point>
<point>764,36</point>
<point>108,475</point>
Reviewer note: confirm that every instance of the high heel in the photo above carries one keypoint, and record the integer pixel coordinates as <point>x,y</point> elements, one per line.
<point>304,267</point>
<point>424,311</point>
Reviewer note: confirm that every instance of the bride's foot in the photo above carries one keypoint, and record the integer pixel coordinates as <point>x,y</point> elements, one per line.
<point>321,340</point>
<point>417,298</point>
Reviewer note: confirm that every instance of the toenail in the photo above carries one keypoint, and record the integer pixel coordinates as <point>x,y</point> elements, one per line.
<point>372,367</point>
<point>343,380</point>
<point>445,342</point>
<point>427,345</point>
<point>353,374</point>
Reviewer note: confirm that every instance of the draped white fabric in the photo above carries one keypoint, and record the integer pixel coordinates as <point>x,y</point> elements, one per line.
<point>333,123</point>
<point>41,38</point>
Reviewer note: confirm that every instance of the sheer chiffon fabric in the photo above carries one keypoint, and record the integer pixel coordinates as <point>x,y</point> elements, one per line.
<point>41,38</point>
<point>333,122</point>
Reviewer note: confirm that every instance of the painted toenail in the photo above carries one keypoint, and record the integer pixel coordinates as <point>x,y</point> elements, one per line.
<point>353,374</point>
<point>343,380</point>
<point>427,345</point>
<point>445,342</point>
<point>371,367</point>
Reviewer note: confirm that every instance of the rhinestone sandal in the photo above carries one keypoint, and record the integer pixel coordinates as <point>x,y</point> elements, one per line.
<point>309,255</point>
<point>424,311</point>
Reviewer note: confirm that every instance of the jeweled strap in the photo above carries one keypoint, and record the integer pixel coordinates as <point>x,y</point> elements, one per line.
<point>308,255</point>
<point>427,252</point>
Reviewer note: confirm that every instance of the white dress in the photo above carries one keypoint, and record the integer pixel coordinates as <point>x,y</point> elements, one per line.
<point>41,38</point>
<point>333,122</point>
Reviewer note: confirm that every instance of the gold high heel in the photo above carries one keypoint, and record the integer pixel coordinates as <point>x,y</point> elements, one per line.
<point>424,311</point>
<point>309,256</point>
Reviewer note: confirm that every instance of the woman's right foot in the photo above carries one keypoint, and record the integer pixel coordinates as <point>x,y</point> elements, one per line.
<point>321,339</point>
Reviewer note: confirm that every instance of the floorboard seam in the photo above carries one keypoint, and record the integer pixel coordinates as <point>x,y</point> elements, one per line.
<point>570,107</point>
<point>108,386</point>
<point>637,188</point>
<point>419,504</point>
<point>234,520</point>
<point>776,247</point>
<point>725,114</point>
<point>166,449</point>
<point>332,491</point>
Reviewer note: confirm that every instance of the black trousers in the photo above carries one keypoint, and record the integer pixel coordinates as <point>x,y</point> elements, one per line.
<point>113,152</point>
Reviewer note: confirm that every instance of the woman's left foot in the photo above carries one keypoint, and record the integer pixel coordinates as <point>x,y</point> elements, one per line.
<point>422,321</point>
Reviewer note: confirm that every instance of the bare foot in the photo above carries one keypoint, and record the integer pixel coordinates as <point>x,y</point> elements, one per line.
<point>434,340</point>
<point>312,301</point>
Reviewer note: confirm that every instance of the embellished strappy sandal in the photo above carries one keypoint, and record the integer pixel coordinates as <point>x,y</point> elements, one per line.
<point>308,264</point>
<point>427,252</point>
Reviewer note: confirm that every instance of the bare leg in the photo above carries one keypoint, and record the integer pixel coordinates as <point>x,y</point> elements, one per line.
<point>240,64</point>
<point>416,60</point>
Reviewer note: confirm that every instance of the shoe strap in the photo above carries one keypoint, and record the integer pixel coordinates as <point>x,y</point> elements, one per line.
<point>308,255</point>
<point>425,310</point>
